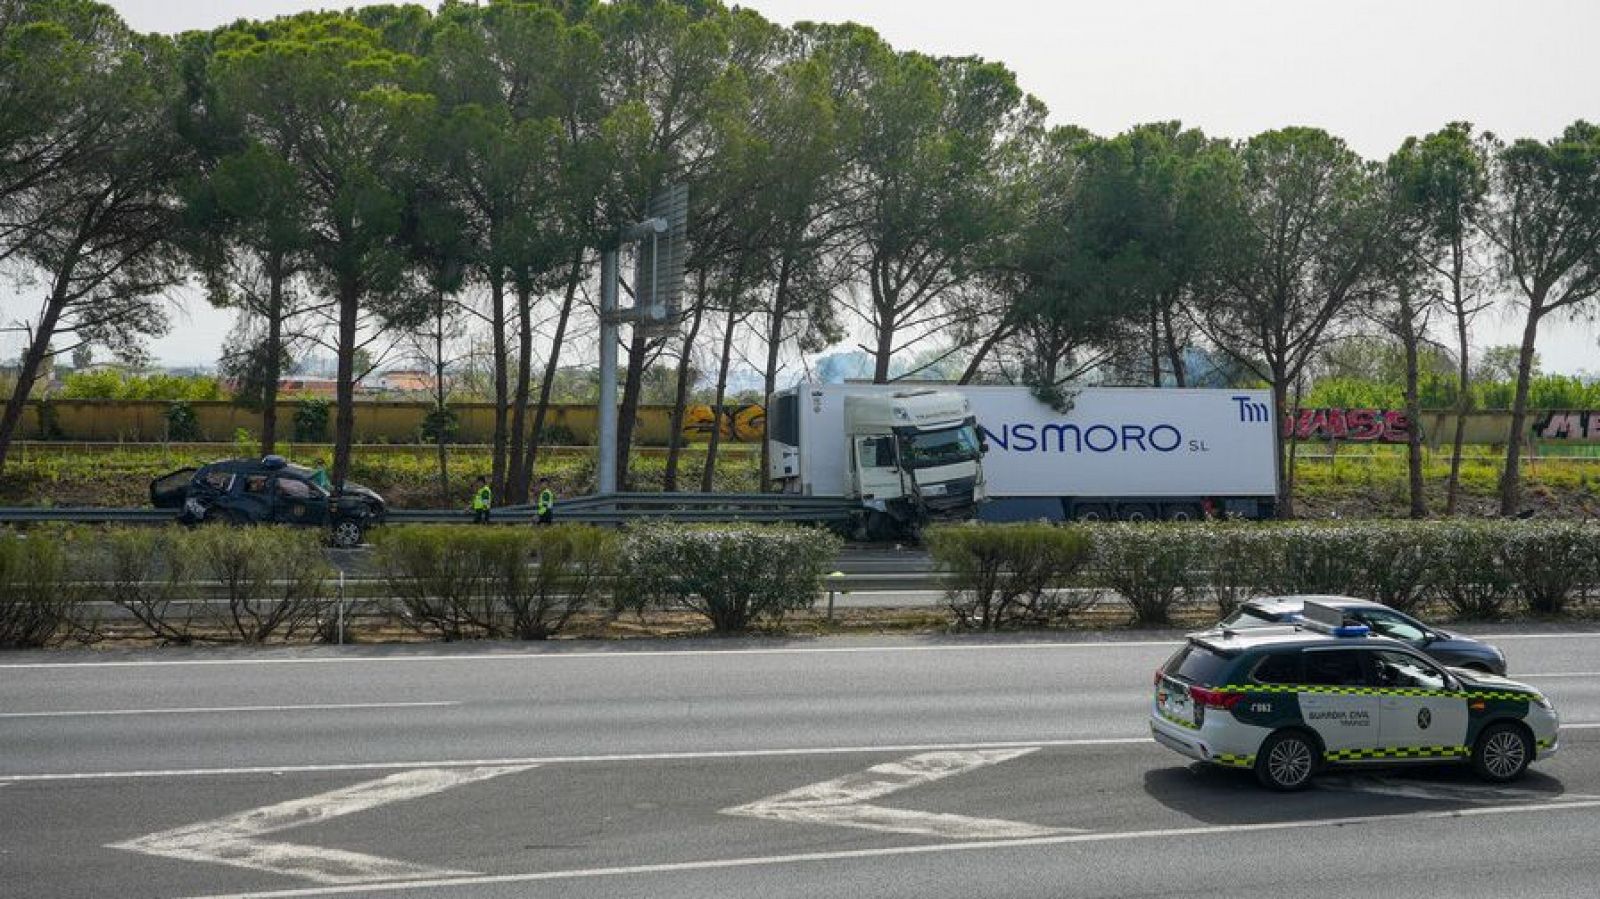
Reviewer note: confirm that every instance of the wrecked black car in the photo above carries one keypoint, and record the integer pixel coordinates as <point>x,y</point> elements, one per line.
<point>269,490</point>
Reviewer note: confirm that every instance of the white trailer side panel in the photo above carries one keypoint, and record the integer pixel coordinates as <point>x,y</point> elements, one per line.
<point>1129,442</point>
<point>1114,442</point>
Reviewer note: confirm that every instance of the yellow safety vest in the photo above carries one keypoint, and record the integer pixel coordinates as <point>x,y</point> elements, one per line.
<point>481,500</point>
<point>547,498</point>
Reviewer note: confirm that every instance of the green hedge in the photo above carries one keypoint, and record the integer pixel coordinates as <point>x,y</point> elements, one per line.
<point>1476,569</point>
<point>458,582</point>
<point>38,601</point>
<point>732,574</point>
<point>1007,575</point>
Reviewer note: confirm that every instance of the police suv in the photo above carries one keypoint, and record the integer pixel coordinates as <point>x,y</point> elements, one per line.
<point>1285,701</point>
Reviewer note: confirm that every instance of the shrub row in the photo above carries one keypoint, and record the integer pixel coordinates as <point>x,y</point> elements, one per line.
<point>262,583</point>
<point>996,575</point>
<point>447,582</point>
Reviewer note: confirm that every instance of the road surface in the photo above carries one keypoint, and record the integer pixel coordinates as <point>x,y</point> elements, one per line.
<point>915,767</point>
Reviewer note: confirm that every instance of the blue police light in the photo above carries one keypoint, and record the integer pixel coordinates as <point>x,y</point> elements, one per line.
<point>1352,630</point>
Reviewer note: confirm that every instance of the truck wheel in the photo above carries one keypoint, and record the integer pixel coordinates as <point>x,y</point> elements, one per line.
<point>1136,512</point>
<point>347,534</point>
<point>1184,512</point>
<point>1092,513</point>
<point>1286,761</point>
<point>1502,753</point>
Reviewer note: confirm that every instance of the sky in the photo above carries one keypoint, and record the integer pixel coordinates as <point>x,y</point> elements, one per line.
<point>1370,71</point>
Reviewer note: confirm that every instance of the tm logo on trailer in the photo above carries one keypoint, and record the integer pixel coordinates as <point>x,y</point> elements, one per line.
<point>1252,412</point>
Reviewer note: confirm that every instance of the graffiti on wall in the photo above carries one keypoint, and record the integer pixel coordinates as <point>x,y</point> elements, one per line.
<point>1356,425</point>
<point>740,424</point>
<point>1575,426</point>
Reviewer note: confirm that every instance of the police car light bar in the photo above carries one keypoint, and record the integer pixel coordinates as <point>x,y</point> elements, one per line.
<point>1327,616</point>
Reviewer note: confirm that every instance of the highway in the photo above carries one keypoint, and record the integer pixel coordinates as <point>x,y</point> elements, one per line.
<point>838,767</point>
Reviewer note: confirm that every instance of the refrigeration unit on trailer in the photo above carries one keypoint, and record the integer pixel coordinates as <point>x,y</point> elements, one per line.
<point>1116,453</point>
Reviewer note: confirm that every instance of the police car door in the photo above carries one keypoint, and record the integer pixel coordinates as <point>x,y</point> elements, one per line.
<point>1418,714</point>
<point>1338,701</point>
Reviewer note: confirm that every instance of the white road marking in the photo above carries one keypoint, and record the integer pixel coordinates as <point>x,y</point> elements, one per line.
<point>577,759</point>
<point>592,759</point>
<point>1575,635</point>
<point>234,840</point>
<point>844,801</point>
<point>1563,674</point>
<point>922,849</point>
<point>588,655</point>
<point>215,710</point>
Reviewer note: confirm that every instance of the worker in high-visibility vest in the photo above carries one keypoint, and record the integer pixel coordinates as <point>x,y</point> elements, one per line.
<point>482,500</point>
<point>547,501</point>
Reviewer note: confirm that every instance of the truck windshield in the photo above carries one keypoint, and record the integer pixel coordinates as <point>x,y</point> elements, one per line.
<point>927,449</point>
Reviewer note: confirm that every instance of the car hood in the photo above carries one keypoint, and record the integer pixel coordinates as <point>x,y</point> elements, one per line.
<point>356,491</point>
<point>1477,680</point>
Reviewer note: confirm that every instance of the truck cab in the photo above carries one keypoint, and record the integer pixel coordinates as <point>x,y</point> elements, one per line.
<point>907,457</point>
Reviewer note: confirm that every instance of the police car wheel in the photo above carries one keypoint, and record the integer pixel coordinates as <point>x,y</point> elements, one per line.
<point>1286,761</point>
<point>1502,754</point>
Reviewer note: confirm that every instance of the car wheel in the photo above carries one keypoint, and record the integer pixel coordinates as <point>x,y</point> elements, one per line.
<point>347,534</point>
<point>1502,753</point>
<point>1286,761</point>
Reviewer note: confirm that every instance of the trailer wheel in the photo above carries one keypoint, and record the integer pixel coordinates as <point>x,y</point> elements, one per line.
<point>1136,512</point>
<point>1092,512</point>
<point>1184,512</point>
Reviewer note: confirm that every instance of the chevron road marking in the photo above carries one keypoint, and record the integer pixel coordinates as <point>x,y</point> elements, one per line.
<point>843,802</point>
<point>234,840</point>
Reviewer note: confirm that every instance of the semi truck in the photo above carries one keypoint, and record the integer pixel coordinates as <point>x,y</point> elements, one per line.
<point>904,457</point>
<point>1131,454</point>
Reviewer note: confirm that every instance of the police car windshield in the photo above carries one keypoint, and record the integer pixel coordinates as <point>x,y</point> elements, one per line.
<point>926,449</point>
<point>1198,665</point>
<point>1246,616</point>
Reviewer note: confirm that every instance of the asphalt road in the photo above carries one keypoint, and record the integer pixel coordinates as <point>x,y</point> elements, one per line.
<point>913,767</point>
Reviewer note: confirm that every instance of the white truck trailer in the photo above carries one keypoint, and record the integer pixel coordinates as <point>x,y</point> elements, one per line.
<point>1117,453</point>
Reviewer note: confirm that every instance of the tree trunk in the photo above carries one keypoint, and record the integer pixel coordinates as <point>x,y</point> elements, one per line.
<point>37,349</point>
<point>1174,352</point>
<point>1511,478</point>
<point>709,476</point>
<point>627,417</point>
<point>344,418</point>
<point>883,301</point>
<point>497,337</point>
<point>1155,346</point>
<point>1410,338</point>
<point>574,275</point>
<point>881,356</point>
<point>440,397</point>
<point>269,390</point>
<point>975,364</point>
<point>516,472</point>
<point>680,398</point>
<point>32,359</point>
<point>1463,400</point>
<point>769,373</point>
<point>1286,456</point>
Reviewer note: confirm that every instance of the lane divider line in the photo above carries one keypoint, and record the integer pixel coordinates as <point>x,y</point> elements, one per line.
<point>691,755</point>
<point>574,759</point>
<point>214,710</point>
